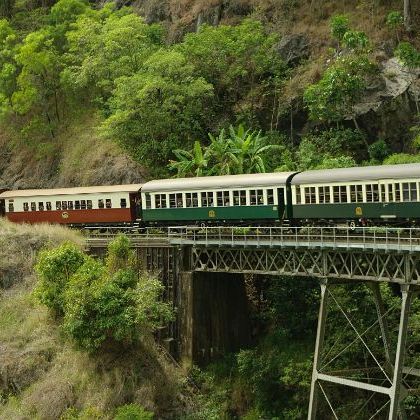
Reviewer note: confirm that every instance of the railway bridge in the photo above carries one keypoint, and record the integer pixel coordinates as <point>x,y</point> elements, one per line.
<point>203,270</point>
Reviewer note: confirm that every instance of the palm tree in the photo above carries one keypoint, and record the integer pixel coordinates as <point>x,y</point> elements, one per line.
<point>190,163</point>
<point>220,155</point>
<point>248,149</point>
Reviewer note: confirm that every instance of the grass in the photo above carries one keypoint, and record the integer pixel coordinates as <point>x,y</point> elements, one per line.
<point>42,374</point>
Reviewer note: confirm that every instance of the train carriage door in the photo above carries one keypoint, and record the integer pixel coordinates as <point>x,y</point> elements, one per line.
<point>281,202</point>
<point>135,206</point>
<point>2,208</point>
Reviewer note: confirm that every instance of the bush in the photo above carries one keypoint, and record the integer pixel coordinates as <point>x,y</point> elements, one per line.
<point>132,412</point>
<point>356,40</point>
<point>339,25</point>
<point>408,54</point>
<point>101,303</point>
<point>55,268</point>
<point>378,151</point>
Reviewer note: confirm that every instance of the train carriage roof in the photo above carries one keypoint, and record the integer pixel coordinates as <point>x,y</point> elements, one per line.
<point>217,182</point>
<point>130,188</point>
<point>364,173</point>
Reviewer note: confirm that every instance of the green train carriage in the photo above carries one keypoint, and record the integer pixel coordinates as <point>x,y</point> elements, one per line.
<point>380,195</point>
<point>255,198</point>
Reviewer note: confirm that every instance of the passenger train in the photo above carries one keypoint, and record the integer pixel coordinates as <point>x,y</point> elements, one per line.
<point>371,195</point>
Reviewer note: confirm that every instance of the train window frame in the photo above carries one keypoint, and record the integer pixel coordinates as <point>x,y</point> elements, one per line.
<point>298,196</point>
<point>191,199</point>
<point>356,193</point>
<point>70,205</point>
<point>207,198</point>
<point>26,206</point>
<point>83,205</point>
<point>256,197</point>
<point>108,203</point>
<point>372,193</point>
<point>77,204</point>
<point>148,201</point>
<point>123,203</point>
<point>33,206</point>
<point>223,198</point>
<point>310,193</point>
<point>324,194</point>
<point>101,203</point>
<point>160,201</point>
<point>270,197</point>
<point>239,197</point>
<point>40,206</point>
<point>89,204</point>
<point>48,206</point>
<point>64,205</point>
<point>11,206</point>
<point>58,205</point>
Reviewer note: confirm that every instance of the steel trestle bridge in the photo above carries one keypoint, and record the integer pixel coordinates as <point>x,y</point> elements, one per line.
<point>331,254</point>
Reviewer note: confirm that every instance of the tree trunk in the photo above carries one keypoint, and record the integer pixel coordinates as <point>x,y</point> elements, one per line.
<point>407,15</point>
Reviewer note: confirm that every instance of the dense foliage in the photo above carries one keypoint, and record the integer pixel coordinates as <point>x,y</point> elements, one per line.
<point>103,304</point>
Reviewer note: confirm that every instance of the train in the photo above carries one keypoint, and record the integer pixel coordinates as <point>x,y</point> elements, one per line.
<point>358,196</point>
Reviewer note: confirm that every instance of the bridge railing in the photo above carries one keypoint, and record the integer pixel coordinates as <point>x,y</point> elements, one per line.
<point>403,239</point>
<point>392,238</point>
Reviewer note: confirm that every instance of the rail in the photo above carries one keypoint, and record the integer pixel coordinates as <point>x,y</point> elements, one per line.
<point>388,239</point>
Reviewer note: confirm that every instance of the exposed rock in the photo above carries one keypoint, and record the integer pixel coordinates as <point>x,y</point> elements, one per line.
<point>293,48</point>
<point>154,11</point>
<point>394,80</point>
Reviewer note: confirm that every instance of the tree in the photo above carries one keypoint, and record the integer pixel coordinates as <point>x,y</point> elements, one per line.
<point>395,21</point>
<point>6,8</point>
<point>408,54</point>
<point>407,15</point>
<point>339,25</point>
<point>341,86</point>
<point>160,108</point>
<point>104,46</point>
<point>239,61</point>
<point>192,163</point>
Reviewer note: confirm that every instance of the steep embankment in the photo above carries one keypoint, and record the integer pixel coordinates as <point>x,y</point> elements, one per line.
<point>76,156</point>
<point>41,374</point>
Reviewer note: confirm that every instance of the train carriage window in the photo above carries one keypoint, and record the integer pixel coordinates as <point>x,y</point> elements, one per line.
<point>101,203</point>
<point>41,206</point>
<point>58,205</point>
<point>33,206</point>
<point>207,199</point>
<point>340,194</point>
<point>372,193</point>
<point>108,203</point>
<point>160,201</point>
<point>191,199</point>
<point>310,195</point>
<point>397,192</point>
<point>270,196</point>
<point>77,205</point>
<point>239,198</point>
<point>64,205</point>
<point>69,205</point>
<point>83,204</point>
<point>172,201</point>
<point>11,206</point>
<point>25,206</point>
<point>356,193</point>
<point>324,195</point>
<point>223,198</point>
<point>123,203</point>
<point>405,191</point>
<point>89,204</point>
<point>48,205</point>
<point>382,189</point>
<point>298,195</point>
<point>148,201</point>
<point>256,197</point>
<point>413,191</point>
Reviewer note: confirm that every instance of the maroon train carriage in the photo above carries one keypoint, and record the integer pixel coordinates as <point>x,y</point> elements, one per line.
<point>101,205</point>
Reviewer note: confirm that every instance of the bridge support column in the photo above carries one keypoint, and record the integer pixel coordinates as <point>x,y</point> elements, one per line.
<point>213,315</point>
<point>319,344</point>
<point>395,393</point>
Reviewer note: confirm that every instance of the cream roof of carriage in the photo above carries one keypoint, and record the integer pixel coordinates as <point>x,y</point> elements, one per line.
<point>130,188</point>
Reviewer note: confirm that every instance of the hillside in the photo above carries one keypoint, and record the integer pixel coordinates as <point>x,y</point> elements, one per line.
<point>43,375</point>
<point>91,95</point>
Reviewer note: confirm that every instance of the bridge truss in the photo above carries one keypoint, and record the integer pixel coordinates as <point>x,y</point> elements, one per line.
<point>333,255</point>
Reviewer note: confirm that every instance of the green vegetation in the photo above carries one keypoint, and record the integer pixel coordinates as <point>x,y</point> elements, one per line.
<point>101,303</point>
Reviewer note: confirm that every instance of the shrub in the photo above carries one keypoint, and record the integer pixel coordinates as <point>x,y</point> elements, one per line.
<point>356,40</point>
<point>378,151</point>
<point>339,25</point>
<point>133,412</point>
<point>55,268</point>
<point>408,54</point>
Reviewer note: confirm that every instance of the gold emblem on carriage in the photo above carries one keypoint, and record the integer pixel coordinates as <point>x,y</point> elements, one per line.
<point>65,215</point>
<point>359,211</point>
<point>212,213</point>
